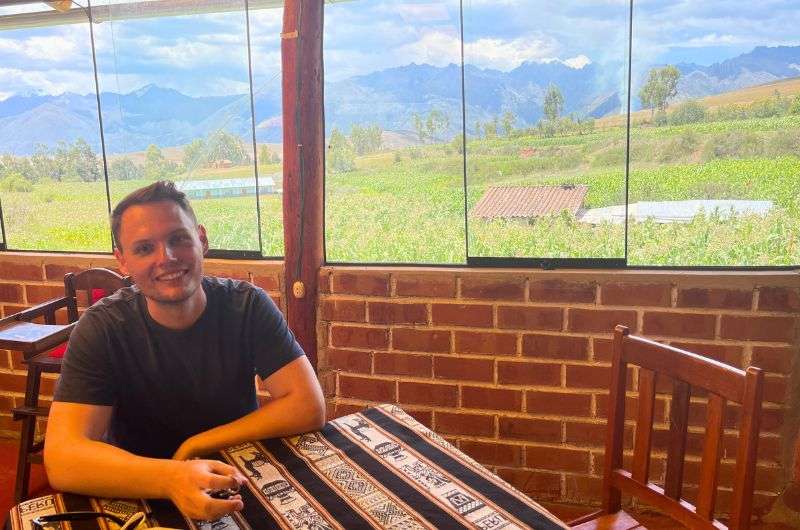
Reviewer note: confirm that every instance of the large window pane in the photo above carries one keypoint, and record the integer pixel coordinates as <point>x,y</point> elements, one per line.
<point>394,181</point>
<point>51,180</point>
<point>539,168</point>
<point>715,156</point>
<point>175,97</point>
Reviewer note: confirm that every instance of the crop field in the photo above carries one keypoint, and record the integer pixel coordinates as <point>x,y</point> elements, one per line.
<point>407,205</point>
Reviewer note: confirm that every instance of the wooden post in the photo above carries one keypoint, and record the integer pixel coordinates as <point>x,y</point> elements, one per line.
<point>303,170</point>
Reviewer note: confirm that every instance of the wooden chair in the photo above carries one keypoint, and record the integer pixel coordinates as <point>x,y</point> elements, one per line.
<point>82,288</point>
<point>723,383</point>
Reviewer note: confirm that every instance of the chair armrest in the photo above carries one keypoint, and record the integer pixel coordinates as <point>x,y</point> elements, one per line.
<point>50,306</point>
<point>585,518</point>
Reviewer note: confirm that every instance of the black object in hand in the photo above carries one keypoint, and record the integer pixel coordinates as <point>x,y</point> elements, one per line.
<point>222,494</point>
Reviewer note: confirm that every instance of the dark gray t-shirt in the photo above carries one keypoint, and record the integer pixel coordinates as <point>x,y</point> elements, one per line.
<point>166,385</point>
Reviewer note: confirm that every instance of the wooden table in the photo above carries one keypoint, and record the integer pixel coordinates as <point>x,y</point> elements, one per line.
<point>379,468</point>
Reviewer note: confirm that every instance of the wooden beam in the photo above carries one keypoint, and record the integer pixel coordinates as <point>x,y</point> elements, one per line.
<point>303,170</point>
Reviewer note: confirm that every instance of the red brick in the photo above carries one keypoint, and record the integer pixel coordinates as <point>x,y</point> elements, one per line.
<point>774,358</point>
<point>602,349</point>
<point>715,298</point>
<point>516,317</point>
<point>324,282</point>
<point>525,373</point>
<point>586,434</point>
<point>493,454</point>
<point>21,271</point>
<point>421,340</point>
<point>638,294</point>
<point>600,320</point>
<point>506,288</point>
<point>6,404</point>
<point>56,271</point>
<point>696,325</point>
<point>479,397</point>
<point>391,313</point>
<point>425,417</point>
<point>268,282</point>
<point>557,459</point>
<point>16,383</point>
<point>464,424</point>
<point>562,291</point>
<point>632,408</point>
<point>41,293</point>
<point>419,365</point>
<point>357,337</point>
<point>583,489</point>
<point>541,431</point>
<point>463,369</point>
<point>725,353</point>
<point>766,328</point>
<point>488,343</point>
<point>347,360</point>
<point>779,299</point>
<point>432,394</point>
<point>555,347</point>
<point>462,315</point>
<point>581,376</point>
<point>775,388</point>
<point>369,284</point>
<point>558,403</point>
<point>378,390</point>
<point>433,286</point>
<point>5,359</point>
<point>345,409</point>
<point>343,310</point>
<point>535,484</point>
<point>10,292</point>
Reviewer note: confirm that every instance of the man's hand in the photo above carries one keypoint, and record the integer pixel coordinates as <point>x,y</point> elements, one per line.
<point>193,480</point>
<point>188,450</point>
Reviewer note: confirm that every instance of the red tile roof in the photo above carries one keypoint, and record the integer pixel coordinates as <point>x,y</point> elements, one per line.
<point>509,202</point>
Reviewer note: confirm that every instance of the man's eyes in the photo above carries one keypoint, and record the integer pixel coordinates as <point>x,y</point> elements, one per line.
<point>143,249</point>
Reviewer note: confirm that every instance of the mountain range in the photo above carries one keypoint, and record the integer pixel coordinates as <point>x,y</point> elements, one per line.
<point>389,97</point>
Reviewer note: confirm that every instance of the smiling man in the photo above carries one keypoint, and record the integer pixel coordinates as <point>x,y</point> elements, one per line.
<point>161,373</point>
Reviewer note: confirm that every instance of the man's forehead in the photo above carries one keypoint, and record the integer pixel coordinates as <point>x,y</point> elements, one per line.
<point>156,217</point>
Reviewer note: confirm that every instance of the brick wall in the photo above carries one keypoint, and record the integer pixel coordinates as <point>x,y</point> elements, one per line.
<point>30,278</point>
<point>513,366</point>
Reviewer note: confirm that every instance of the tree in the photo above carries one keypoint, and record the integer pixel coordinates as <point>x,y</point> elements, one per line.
<point>478,129</point>
<point>508,122</point>
<point>553,102</point>
<point>265,156</point>
<point>490,128</point>
<point>419,127</point>
<point>195,154</point>
<point>155,165</point>
<point>124,169</point>
<point>436,123</point>
<point>87,167</point>
<point>226,146</point>
<point>43,165</point>
<point>340,153</point>
<point>365,139</point>
<point>661,86</point>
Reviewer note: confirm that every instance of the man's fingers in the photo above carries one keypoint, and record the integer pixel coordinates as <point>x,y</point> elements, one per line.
<point>219,508</point>
<point>222,482</point>
<point>221,468</point>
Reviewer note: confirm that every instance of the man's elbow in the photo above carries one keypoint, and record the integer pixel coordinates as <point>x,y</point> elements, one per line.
<point>317,414</point>
<point>54,464</point>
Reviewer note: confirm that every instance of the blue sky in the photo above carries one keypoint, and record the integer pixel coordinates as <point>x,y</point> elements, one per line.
<point>206,54</point>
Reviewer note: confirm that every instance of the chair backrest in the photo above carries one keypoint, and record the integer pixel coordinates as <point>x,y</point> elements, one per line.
<point>96,281</point>
<point>722,383</point>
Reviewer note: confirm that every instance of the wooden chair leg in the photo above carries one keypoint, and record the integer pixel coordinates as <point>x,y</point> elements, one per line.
<point>27,435</point>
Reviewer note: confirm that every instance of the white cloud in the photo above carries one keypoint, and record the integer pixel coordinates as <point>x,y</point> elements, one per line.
<point>508,54</point>
<point>186,54</point>
<point>56,81</point>
<point>52,48</point>
<point>577,62</point>
<point>711,39</point>
<point>417,13</point>
<point>5,95</point>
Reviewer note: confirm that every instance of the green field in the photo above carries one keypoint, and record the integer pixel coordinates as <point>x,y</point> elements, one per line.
<point>407,205</point>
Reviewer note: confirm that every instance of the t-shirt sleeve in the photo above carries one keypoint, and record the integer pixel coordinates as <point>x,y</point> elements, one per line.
<point>86,373</point>
<point>274,345</point>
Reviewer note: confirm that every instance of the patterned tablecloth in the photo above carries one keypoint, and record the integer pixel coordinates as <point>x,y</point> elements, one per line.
<point>379,468</point>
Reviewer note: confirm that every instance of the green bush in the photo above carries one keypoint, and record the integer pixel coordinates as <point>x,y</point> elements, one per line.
<point>688,112</point>
<point>734,144</point>
<point>15,182</point>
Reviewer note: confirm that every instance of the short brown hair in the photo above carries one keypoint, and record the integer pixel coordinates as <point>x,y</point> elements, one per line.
<point>162,190</point>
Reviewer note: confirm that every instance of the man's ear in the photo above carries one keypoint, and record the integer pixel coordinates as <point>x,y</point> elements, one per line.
<point>201,233</point>
<point>121,260</point>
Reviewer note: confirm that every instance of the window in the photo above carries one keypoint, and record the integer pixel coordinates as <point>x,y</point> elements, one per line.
<point>175,102</point>
<point>589,133</point>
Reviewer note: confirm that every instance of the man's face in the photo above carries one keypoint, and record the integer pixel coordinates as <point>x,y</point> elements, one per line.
<point>162,251</point>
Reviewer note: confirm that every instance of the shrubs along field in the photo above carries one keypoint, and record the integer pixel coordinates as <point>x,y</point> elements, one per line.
<point>407,205</point>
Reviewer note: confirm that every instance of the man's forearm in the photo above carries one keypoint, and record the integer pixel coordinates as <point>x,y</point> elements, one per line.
<point>97,468</point>
<point>278,417</point>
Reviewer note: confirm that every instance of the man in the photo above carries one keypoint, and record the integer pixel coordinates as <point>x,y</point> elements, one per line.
<point>161,373</point>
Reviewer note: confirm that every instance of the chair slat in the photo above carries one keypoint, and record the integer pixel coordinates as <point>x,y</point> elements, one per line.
<point>612,498</point>
<point>640,468</point>
<point>742,504</point>
<point>707,493</point>
<point>679,421</point>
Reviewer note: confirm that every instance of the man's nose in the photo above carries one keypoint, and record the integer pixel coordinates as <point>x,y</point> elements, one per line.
<point>166,253</point>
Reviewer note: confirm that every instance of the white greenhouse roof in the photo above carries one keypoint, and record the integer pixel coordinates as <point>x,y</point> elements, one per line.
<point>195,185</point>
<point>675,211</point>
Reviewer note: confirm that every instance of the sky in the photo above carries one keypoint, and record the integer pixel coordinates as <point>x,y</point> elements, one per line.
<point>207,54</point>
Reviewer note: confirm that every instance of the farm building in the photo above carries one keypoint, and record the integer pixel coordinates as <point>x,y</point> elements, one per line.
<point>675,211</point>
<point>215,189</point>
<point>529,202</point>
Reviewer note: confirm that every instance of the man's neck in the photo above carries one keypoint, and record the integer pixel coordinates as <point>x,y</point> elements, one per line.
<point>178,315</point>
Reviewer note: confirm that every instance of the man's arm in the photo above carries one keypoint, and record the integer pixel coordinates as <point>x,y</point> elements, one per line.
<point>297,405</point>
<point>77,461</point>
